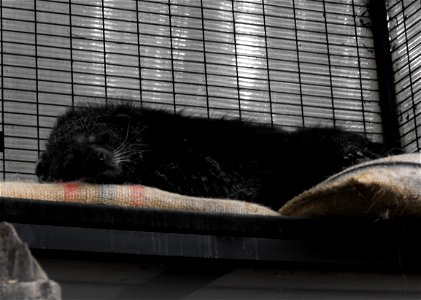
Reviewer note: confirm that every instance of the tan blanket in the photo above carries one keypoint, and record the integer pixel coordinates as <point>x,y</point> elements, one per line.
<point>381,188</point>
<point>127,195</point>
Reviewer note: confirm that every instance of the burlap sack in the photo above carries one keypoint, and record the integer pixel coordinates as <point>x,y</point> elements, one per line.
<point>382,188</point>
<point>127,195</point>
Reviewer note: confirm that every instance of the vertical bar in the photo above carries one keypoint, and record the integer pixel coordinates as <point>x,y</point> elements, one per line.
<point>385,74</point>
<point>1,141</point>
<point>297,45</point>
<point>204,58</point>
<point>236,58</point>
<point>71,54</point>
<point>36,77</point>
<point>172,56</point>
<point>2,90</point>
<point>329,64</point>
<point>138,52</point>
<point>359,65</point>
<point>105,53</point>
<point>267,62</point>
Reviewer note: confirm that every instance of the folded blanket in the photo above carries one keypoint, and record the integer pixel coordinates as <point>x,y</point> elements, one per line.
<point>127,195</point>
<point>382,188</point>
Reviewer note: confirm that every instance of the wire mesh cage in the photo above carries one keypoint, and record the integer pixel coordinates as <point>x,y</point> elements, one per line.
<point>290,63</point>
<point>405,38</point>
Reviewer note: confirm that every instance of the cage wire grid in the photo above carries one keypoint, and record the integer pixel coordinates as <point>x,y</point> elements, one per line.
<point>405,38</point>
<point>290,63</point>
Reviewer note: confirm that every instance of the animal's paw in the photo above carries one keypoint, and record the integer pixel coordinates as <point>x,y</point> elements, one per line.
<point>353,156</point>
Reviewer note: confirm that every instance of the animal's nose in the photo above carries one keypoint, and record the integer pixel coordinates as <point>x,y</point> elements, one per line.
<point>101,155</point>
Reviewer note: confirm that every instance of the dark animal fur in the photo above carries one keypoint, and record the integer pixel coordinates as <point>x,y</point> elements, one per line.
<point>194,156</point>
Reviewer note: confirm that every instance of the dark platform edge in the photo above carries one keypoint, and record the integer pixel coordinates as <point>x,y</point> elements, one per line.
<point>162,233</point>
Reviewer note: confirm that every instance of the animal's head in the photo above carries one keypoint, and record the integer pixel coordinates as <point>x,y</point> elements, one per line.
<point>87,144</point>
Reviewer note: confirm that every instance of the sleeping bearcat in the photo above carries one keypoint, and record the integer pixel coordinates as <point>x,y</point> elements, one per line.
<point>193,156</point>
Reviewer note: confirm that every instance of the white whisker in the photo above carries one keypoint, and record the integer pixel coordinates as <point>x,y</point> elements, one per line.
<point>127,134</point>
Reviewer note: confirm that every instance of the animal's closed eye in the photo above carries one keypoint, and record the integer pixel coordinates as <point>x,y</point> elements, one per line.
<point>102,138</point>
<point>121,120</point>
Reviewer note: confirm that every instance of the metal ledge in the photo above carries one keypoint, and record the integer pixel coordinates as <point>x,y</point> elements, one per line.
<point>119,230</point>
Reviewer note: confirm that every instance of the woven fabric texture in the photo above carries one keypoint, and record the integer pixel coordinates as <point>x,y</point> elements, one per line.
<point>382,188</point>
<point>127,195</point>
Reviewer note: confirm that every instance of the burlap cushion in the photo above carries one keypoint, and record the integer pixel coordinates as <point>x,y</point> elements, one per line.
<point>127,195</point>
<point>382,188</point>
